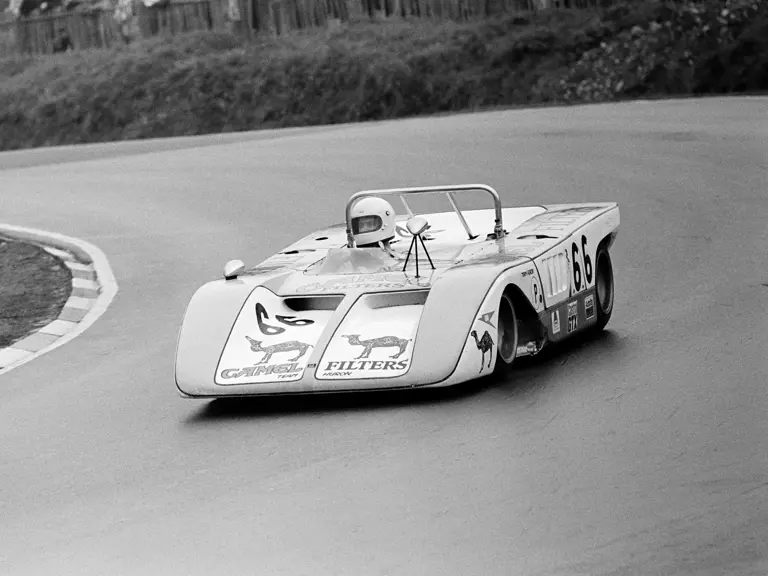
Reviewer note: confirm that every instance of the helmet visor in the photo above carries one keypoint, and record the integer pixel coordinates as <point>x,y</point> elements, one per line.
<point>365,224</point>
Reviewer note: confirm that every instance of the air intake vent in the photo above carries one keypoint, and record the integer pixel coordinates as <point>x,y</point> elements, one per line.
<point>390,299</point>
<point>306,303</point>
<point>555,272</point>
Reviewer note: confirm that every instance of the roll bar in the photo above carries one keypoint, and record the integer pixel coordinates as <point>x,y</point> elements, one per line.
<point>498,228</point>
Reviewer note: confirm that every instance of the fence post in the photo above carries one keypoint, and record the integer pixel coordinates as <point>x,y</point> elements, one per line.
<point>145,26</point>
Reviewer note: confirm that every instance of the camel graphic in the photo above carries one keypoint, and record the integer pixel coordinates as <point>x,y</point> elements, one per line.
<point>290,346</point>
<point>485,344</point>
<point>383,342</point>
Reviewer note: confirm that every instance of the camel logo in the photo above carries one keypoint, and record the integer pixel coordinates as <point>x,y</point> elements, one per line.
<point>383,342</point>
<point>485,344</point>
<point>291,346</point>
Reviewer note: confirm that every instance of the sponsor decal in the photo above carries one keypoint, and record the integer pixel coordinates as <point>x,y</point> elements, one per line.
<point>507,256</point>
<point>389,350</point>
<point>573,320</point>
<point>366,282</point>
<point>373,340</point>
<point>279,371</point>
<point>487,317</point>
<point>556,322</point>
<point>269,342</point>
<point>558,220</point>
<point>589,306</point>
<point>484,344</point>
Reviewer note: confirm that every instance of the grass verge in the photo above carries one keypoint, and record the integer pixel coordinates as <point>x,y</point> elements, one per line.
<point>34,286</point>
<point>213,82</point>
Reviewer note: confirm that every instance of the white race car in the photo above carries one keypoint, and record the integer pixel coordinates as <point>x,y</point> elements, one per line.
<point>386,301</point>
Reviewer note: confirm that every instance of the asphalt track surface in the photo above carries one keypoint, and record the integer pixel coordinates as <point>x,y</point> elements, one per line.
<point>643,451</point>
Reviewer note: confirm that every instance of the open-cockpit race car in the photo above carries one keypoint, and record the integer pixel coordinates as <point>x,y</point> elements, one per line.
<point>390,301</point>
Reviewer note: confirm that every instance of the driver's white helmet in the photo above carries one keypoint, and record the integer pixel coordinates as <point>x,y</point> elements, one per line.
<point>373,220</point>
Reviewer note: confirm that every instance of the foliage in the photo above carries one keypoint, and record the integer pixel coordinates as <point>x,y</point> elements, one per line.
<point>686,48</point>
<point>214,82</point>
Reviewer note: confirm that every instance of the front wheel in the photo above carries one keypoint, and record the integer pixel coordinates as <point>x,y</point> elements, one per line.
<point>506,350</point>
<point>603,287</point>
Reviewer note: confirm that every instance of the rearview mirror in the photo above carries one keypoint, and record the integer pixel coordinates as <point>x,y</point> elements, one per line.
<point>233,269</point>
<point>417,225</point>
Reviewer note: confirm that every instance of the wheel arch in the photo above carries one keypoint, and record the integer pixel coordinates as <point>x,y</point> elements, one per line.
<point>608,241</point>
<point>529,324</point>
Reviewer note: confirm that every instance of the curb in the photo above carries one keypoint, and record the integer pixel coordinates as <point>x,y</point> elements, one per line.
<point>93,289</point>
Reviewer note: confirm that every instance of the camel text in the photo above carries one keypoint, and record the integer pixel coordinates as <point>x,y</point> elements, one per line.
<point>263,370</point>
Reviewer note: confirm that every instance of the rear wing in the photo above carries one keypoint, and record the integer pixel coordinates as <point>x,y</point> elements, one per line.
<point>498,228</point>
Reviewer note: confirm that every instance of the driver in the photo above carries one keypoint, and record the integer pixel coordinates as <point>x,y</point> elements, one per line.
<point>373,223</point>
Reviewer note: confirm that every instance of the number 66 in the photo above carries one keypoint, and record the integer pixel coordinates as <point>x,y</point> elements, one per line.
<point>587,263</point>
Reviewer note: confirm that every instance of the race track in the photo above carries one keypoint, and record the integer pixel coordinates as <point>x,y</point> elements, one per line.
<point>644,451</point>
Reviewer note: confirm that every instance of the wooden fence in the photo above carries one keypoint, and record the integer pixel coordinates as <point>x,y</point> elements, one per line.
<point>463,10</point>
<point>45,34</point>
<point>7,39</point>
<point>99,29</point>
<point>457,10</point>
<point>179,17</point>
<point>281,16</point>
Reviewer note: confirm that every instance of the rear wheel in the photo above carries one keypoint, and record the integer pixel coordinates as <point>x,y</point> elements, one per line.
<point>506,348</point>
<point>603,288</point>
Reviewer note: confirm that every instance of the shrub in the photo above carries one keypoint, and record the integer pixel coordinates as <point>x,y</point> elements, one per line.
<point>215,82</point>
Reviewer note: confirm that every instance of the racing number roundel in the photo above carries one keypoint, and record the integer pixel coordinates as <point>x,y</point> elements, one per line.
<point>582,265</point>
<point>537,297</point>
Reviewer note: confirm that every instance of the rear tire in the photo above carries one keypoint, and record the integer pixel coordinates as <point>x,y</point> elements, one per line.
<point>506,348</point>
<point>604,287</point>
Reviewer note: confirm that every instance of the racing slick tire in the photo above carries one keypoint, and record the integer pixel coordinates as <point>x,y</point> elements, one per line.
<point>506,349</point>
<point>604,287</point>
